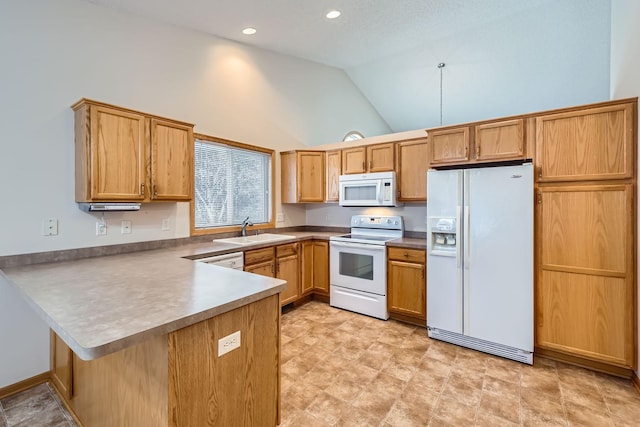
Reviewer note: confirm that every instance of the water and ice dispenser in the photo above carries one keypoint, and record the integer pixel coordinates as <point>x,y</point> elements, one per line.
<point>442,236</point>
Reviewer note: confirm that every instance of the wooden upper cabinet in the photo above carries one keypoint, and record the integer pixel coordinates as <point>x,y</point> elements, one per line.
<point>368,158</point>
<point>588,144</point>
<point>500,140</point>
<point>354,160</point>
<point>333,170</point>
<point>303,176</point>
<point>449,146</point>
<point>411,167</point>
<point>380,157</point>
<point>115,155</point>
<point>171,160</point>
<point>124,155</point>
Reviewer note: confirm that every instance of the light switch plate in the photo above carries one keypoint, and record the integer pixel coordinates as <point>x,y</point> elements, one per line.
<point>228,343</point>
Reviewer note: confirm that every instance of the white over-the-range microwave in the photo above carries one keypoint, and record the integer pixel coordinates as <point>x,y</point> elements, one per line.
<point>369,189</point>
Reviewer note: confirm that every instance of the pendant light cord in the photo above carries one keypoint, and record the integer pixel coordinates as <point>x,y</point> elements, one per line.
<point>441,66</point>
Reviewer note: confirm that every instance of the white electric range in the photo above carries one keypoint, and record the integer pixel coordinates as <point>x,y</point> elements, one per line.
<point>358,265</point>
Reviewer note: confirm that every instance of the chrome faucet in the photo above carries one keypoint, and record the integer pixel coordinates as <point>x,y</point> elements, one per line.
<point>245,222</point>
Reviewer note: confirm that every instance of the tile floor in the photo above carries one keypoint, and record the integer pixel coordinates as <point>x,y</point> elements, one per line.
<point>37,407</point>
<point>344,369</point>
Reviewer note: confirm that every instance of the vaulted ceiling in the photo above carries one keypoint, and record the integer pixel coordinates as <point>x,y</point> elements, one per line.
<point>502,56</point>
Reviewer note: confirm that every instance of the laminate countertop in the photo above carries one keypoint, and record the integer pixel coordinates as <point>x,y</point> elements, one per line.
<point>103,304</point>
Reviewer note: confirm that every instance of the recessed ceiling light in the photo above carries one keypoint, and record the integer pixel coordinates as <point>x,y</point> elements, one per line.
<point>249,31</point>
<point>333,14</point>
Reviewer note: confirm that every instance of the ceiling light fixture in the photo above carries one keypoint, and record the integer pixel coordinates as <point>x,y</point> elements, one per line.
<point>333,14</point>
<point>249,31</point>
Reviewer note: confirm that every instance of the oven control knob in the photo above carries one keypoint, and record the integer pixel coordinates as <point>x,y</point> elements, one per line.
<point>395,222</point>
<point>388,221</point>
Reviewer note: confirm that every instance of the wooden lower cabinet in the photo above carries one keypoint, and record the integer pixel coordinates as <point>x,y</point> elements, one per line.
<point>178,379</point>
<point>61,366</point>
<point>315,267</point>
<point>281,261</point>
<point>407,285</point>
<point>585,290</point>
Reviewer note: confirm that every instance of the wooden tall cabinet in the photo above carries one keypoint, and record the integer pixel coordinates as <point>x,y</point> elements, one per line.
<point>125,155</point>
<point>585,235</point>
<point>303,176</point>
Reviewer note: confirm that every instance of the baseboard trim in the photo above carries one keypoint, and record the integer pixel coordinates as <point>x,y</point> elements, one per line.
<point>24,384</point>
<point>408,319</point>
<point>606,368</point>
<point>636,381</point>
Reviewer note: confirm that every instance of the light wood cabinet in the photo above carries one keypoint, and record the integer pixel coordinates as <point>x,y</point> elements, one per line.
<point>593,143</point>
<point>124,155</point>
<point>406,285</point>
<point>411,170</point>
<point>281,261</point>
<point>333,171</point>
<point>288,268</point>
<point>449,146</point>
<point>354,160</point>
<point>315,267</point>
<point>303,176</point>
<point>503,140</point>
<point>585,282</point>
<point>178,379</point>
<point>61,366</point>
<point>368,158</point>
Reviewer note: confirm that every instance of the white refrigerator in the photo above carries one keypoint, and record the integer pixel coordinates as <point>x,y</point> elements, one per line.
<point>480,259</point>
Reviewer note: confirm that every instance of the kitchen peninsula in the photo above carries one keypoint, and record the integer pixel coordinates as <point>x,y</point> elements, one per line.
<point>143,332</point>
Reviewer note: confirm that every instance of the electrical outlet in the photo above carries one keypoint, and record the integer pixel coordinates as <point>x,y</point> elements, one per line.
<point>166,224</point>
<point>101,228</point>
<point>125,227</point>
<point>50,227</point>
<point>228,343</point>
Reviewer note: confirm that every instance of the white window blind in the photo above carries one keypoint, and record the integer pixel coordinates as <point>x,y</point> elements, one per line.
<point>231,184</point>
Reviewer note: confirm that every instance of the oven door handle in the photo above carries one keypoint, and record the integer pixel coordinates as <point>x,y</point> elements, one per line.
<point>376,248</point>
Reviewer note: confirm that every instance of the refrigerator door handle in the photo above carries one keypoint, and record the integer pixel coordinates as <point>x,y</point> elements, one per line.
<point>458,241</point>
<point>467,249</point>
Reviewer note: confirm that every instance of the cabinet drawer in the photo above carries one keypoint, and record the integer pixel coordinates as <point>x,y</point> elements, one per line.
<point>403,254</point>
<point>286,250</point>
<point>258,255</point>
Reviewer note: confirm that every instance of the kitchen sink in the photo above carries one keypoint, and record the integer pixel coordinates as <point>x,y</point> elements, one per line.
<point>255,238</point>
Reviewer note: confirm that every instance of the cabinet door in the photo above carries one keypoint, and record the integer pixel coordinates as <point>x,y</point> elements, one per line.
<point>334,169</point>
<point>287,268</point>
<point>321,267</point>
<point>306,284</point>
<point>449,146</point>
<point>590,144</point>
<point>61,366</point>
<point>310,176</point>
<point>411,170</point>
<point>585,289</point>
<point>407,289</point>
<point>380,157</point>
<point>353,160</point>
<point>500,141</point>
<point>118,143</point>
<point>264,268</point>
<point>171,161</point>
